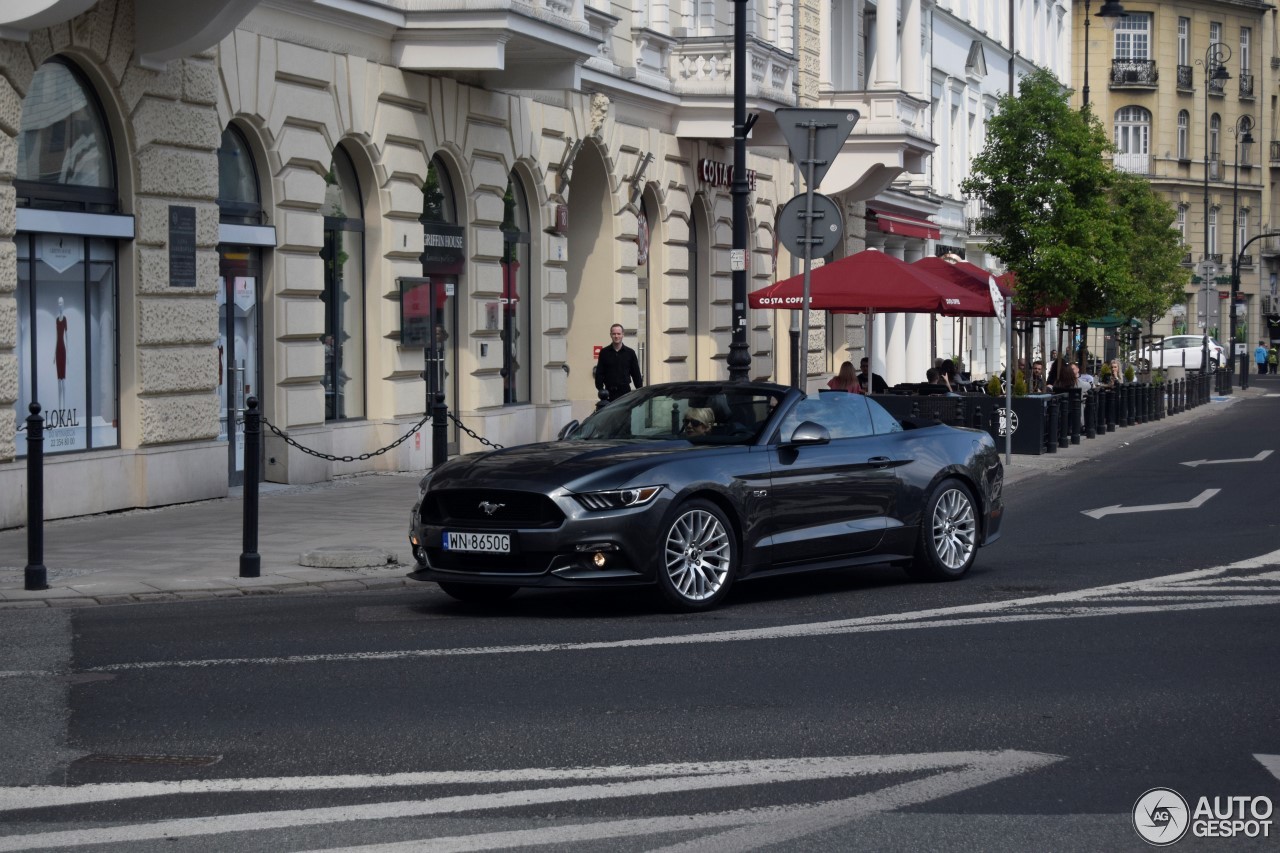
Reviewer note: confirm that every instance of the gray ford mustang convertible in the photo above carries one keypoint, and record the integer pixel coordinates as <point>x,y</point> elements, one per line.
<point>691,486</point>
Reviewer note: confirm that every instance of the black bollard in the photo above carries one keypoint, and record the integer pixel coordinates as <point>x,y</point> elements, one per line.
<point>1091,413</point>
<point>1051,433</point>
<point>602,398</point>
<point>1075,406</point>
<point>250,560</point>
<point>439,432</point>
<point>35,576</point>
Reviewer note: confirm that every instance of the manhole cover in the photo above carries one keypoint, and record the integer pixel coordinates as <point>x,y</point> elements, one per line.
<point>346,557</point>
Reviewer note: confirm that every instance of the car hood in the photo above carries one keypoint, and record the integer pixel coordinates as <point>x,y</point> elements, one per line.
<point>576,465</point>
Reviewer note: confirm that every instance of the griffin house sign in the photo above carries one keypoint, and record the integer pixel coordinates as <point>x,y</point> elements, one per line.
<point>717,174</point>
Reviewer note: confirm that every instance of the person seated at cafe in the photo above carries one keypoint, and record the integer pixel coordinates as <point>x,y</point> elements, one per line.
<point>933,383</point>
<point>1036,384</point>
<point>1084,380</point>
<point>950,375</point>
<point>875,382</point>
<point>1112,378</point>
<point>1063,377</point>
<point>698,421</point>
<point>845,380</point>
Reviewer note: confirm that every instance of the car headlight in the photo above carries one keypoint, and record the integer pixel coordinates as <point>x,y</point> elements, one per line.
<point>618,498</point>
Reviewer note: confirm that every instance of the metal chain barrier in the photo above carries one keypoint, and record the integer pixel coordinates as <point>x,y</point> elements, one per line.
<point>460,425</point>
<point>331,458</point>
<point>381,450</point>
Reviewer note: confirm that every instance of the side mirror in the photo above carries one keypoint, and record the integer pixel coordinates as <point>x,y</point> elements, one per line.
<point>568,429</point>
<point>809,432</point>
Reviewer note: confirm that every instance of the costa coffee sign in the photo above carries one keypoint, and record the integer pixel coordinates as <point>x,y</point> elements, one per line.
<point>721,174</point>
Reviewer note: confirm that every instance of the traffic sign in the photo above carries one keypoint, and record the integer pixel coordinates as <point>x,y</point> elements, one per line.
<point>830,129</point>
<point>828,226</point>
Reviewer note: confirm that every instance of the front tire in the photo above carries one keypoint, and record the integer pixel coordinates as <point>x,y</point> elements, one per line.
<point>948,540</point>
<point>699,559</point>
<point>478,593</point>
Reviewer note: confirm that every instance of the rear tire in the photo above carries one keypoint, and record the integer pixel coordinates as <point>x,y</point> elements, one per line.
<point>948,541</point>
<point>478,593</point>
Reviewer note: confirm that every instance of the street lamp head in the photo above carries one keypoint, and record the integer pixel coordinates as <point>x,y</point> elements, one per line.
<point>1111,13</point>
<point>1220,72</point>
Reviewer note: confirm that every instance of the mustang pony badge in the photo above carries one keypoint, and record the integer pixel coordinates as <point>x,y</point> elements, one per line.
<point>490,508</point>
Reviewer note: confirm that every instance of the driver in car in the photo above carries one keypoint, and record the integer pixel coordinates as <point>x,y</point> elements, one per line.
<point>698,421</point>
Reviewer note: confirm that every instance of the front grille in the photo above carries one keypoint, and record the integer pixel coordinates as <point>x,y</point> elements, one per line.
<point>513,509</point>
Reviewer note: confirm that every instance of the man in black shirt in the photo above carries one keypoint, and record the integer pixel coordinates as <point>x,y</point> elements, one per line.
<point>617,368</point>
<point>877,385</point>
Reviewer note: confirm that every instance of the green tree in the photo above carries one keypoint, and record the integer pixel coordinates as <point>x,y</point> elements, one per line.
<point>1044,186</point>
<point>1156,279</point>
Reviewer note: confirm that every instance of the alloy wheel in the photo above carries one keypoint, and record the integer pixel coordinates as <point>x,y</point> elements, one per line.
<point>954,529</point>
<point>699,554</point>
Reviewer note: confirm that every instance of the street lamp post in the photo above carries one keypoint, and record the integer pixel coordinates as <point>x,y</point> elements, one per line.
<point>739,360</point>
<point>1110,13</point>
<point>1243,139</point>
<point>1214,64</point>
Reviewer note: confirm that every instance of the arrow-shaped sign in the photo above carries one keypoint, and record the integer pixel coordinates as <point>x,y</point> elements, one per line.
<point>1117,509</point>
<point>1263,455</point>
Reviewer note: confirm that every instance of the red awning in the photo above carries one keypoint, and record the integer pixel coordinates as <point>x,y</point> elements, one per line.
<point>871,281</point>
<point>969,276</point>
<point>902,224</point>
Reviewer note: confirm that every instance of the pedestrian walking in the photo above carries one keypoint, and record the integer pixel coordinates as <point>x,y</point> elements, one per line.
<point>617,368</point>
<point>1271,359</point>
<point>1260,354</point>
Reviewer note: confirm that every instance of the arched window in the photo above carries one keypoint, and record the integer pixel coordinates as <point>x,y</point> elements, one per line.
<point>516,294</point>
<point>64,150</point>
<point>343,294</point>
<point>1133,139</point>
<point>1184,135</point>
<point>239,197</point>
<point>66,268</point>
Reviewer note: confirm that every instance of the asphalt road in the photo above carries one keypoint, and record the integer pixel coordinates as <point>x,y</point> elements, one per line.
<point>1085,660</point>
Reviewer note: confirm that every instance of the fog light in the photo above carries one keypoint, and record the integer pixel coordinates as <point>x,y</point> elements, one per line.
<point>598,559</point>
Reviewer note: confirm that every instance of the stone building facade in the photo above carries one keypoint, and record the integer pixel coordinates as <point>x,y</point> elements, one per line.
<point>265,207</point>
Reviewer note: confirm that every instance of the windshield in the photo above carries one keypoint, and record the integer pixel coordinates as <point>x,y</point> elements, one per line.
<point>700,413</point>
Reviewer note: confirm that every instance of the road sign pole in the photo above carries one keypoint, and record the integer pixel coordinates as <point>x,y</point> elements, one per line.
<point>802,376</point>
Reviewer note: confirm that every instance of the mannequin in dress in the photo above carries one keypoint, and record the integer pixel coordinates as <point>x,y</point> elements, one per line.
<point>60,355</point>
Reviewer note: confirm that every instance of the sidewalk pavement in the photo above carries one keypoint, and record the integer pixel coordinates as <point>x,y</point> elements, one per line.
<point>192,551</point>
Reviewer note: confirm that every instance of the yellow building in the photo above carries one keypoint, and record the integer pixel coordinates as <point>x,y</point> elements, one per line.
<point>1181,87</point>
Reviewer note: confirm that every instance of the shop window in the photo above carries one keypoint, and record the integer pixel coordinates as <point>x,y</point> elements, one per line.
<point>443,260</point>
<point>239,201</point>
<point>343,295</point>
<point>66,294</point>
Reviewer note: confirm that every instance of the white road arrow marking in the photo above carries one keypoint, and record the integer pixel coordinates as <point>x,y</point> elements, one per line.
<point>1271,762</point>
<point>1117,509</point>
<point>1263,455</point>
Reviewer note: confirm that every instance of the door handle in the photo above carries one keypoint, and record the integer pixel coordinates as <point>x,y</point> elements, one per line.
<point>880,461</point>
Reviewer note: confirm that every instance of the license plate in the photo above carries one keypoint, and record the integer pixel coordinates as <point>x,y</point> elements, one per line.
<point>489,543</point>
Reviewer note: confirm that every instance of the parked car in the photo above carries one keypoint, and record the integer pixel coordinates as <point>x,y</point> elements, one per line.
<point>1180,350</point>
<point>689,487</point>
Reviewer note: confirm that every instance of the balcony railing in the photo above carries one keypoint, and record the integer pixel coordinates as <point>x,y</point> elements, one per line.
<point>1246,260</point>
<point>704,66</point>
<point>1137,164</point>
<point>1184,78</point>
<point>1215,169</point>
<point>1246,86</point>
<point>1186,260</point>
<point>1275,151</point>
<point>1134,72</point>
